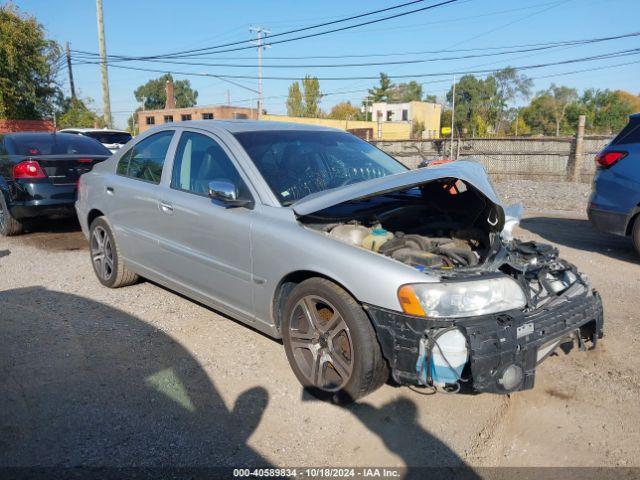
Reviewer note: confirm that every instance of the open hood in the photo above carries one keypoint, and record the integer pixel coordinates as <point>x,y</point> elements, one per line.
<point>469,172</point>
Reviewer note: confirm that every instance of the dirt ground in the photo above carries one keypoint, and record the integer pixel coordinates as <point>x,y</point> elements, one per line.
<point>142,376</point>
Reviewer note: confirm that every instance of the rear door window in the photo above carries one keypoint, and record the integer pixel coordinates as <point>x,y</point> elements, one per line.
<point>629,134</point>
<point>145,160</point>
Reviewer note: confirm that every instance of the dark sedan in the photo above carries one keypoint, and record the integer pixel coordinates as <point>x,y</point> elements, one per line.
<point>39,175</point>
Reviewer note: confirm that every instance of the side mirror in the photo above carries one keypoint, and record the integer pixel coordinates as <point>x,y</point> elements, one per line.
<point>227,193</point>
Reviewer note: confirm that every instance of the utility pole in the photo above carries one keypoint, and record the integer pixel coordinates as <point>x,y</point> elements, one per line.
<point>261,34</point>
<point>71,84</point>
<point>103,66</point>
<point>453,115</point>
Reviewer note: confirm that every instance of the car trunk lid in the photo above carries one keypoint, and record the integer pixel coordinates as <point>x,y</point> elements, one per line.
<point>66,169</point>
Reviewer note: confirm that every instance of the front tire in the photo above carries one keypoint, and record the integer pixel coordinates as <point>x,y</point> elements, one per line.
<point>9,225</point>
<point>330,343</point>
<point>105,256</point>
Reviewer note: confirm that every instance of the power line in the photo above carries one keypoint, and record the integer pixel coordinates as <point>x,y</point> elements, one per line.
<point>621,53</point>
<point>194,53</point>
<point>447,81</point>
<point>547,46</point>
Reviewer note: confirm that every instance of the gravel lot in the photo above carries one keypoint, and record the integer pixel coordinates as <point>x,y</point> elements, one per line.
<point>143,376</point>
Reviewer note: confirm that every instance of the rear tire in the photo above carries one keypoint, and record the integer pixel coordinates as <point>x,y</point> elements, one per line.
<point>9,225</point>
<point>635,234</point>
<point>330,343</point>
<point>105,256</point>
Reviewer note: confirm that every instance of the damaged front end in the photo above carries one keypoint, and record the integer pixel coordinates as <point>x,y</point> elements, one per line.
<point>491,307</point>
<point>496,352</point>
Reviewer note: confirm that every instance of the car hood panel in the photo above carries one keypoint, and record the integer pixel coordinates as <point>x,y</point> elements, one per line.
<point>470,172</point>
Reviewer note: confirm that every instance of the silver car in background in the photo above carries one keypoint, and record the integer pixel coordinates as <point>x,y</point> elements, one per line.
<point>364,268</point>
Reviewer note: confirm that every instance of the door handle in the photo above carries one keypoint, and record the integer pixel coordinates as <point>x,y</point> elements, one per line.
<point>109,190</point>
<point>166,208</point>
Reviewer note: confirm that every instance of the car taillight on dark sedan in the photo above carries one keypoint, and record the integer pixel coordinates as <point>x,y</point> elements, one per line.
<point>608,159</point>
<point>28,169</point>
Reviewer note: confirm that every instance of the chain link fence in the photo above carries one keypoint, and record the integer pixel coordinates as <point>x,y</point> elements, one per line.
<point>532,158</point>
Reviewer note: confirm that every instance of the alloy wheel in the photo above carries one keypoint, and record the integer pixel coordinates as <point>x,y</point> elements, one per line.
<point>321,343</point>
<point>102,253</point>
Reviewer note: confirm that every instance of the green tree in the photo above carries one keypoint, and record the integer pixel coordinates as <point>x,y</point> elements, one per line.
<point>475,104</point>
<point>547,112</point>
<point>344,111</point>
<point>295,104</point>
<point>78,114</point>
<point>153,96</point>
<point>606,111</point>
<point>509,87</point>
<point>406,92</point>
<point>305,102</point>
<point>27,66</point>
<point>132,123</point>
<point>382,92</point>
<point>416,129</point>
<point>312,96</point>
<point>519,127</point>
<point>430,99</point>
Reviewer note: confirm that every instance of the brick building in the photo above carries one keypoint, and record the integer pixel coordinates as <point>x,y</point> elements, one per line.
<point>8,126</point>
<point>150,118</point>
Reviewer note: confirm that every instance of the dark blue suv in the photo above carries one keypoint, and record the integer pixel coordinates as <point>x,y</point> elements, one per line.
<point>614,205</point>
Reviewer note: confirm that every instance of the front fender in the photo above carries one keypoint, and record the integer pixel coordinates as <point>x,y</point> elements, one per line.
<point>280,245</point>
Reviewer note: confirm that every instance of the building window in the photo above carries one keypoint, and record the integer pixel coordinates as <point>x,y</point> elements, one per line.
<point>405,115</point>
<point>168,118</point>
<point>240,116</point>
<point>207,116</point>
<point>389,115</point>
<point>186,116</point>
<point>151,120</point>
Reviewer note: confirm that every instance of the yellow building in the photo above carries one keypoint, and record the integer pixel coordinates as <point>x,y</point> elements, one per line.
<point>391,121</point>
<point>427,115</point>
<point>363,129</point>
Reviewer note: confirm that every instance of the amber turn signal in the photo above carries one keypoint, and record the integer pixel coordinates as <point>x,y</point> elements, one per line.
<point>409,301</point>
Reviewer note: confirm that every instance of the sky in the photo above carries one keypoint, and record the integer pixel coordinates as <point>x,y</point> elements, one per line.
<point>142,27</point>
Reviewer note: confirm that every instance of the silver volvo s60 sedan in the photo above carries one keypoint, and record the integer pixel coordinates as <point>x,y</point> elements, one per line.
<point>365,269</point>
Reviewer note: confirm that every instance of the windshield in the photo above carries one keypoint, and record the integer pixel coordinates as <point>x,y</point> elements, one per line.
<point>109,137</point>
<point>56,144</point>
<point>297,163</point>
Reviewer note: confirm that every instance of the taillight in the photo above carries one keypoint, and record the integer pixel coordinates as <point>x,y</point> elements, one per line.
<point>85,160</point>
<point>28,169</point>
<point>607,159</point>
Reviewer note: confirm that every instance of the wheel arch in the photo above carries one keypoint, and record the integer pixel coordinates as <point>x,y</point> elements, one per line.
<point>92,215</point>
<point>635,215</point>
<point>289,282</point>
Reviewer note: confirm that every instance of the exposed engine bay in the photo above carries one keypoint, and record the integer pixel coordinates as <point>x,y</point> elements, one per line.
<point>419,251</point>
<point>448,228</point>
<point>441,225</point>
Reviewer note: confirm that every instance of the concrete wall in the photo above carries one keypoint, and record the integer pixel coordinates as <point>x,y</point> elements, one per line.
<point>382,131</point>
<point>546,158</point>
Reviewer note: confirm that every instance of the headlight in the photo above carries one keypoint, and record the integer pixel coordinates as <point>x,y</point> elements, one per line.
<point>461,299</point>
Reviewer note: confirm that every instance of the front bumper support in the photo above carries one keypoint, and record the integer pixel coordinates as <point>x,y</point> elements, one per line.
<point>492,339</point>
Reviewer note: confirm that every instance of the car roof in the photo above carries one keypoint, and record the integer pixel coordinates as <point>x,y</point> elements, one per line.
<point>27,135</point>
<point>237,126</point>
<point>635,115</point>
